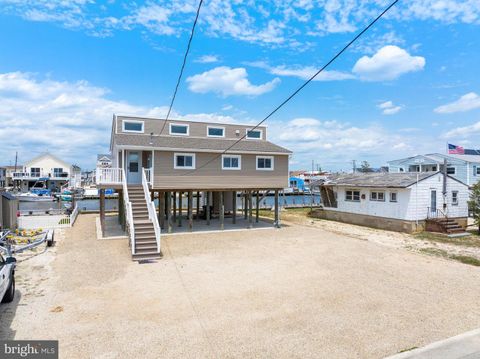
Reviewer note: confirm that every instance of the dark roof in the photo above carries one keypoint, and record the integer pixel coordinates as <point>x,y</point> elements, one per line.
<point>384,180</point>
<point>198,143</point>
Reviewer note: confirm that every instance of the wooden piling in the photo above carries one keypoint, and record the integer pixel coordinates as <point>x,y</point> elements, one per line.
<point>190,211</point>
<point>222,210</point>
<point>234,210</point>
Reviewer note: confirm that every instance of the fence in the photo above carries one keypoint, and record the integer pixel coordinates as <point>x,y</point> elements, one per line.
<point>48,221</point>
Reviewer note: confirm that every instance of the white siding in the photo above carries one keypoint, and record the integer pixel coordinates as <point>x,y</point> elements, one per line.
<point>411,205</point>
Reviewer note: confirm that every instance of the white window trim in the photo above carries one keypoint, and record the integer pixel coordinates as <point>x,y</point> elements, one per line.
<point>253,138</point>
<point>353,200</point>
<point>377,200</point>
<point>133,121</point>
<point>175,155</point>
<point>272,158</point>
<point>216,127</point>
<point>390,197</point>
<point>239,157</point>
<point>454,170</point>
<point>455,203</point>
<point>179,124</point>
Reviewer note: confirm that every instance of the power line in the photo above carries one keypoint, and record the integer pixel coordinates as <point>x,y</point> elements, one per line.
<point>183,64</point>
<point>300,88</point>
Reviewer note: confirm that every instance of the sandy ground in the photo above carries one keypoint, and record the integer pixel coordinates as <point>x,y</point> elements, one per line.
<point>297,292</point>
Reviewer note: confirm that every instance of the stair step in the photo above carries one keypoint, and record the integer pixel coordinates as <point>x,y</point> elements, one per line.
<point>146,257</point>
<point>145,240</point>
<point>145,247</point>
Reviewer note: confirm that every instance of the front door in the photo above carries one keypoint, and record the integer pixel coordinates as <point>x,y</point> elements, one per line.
<point>433,201</point>
<point>133,167</point>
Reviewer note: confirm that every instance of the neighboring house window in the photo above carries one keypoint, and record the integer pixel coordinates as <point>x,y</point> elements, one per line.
<point>401,169</point>
<point>265,163</point>
<point>451,170</point>
<point>377,196</point>
<point>477,170</point>
<point>133,126</point>
<point>178,129</point>
<point>215,131</point>
<point>35,172</point>
<point>393,196</point>
<point>184,161</point>
<point>454,198</point>
<point>414,168</point>
<point>254,134</point>
<point>230,162</point>
<point>57,172</point>
<point>352,195</point>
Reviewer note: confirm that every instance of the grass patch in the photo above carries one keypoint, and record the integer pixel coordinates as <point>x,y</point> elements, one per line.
<point>472,241</point>
<point>444,254</point>
<point>290,214</point>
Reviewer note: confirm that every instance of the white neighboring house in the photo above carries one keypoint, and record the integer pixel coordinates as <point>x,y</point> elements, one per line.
<point>104,161</point>
<point>395,201</point>
<point>48,169</point>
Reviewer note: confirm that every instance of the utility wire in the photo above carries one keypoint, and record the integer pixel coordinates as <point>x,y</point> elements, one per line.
<point>183,65</point>
<point>300,88</point>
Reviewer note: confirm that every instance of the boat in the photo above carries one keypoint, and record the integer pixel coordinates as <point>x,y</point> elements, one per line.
<point>36,195</point>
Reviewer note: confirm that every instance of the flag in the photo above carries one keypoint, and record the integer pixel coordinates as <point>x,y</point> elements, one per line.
<point>455,150</point>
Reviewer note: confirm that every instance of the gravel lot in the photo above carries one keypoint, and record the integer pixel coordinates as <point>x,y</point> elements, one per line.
<point>298,292</point>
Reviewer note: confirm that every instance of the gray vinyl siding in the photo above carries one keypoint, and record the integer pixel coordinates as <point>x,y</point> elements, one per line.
<point>213,177</point>
<point>196,129</point>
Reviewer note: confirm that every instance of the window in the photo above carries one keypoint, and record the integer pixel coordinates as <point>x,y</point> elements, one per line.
<point>58,172</point>
<point>230,162</point>
<point>454,198</point>
<point>184,161</point>
<point>215,131</point>
<point>377,196</point>
<point>179,129</point>
<point>352,196</point>
<point>35,172</point>
<point>133,126</point>
<point>477,170</point>
<point>254,134</point>
<point>393,196</point>
<point>265,163</point>
<point>450,170</point>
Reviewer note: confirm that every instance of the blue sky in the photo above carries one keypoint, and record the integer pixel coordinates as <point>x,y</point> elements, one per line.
<point>409,86</point>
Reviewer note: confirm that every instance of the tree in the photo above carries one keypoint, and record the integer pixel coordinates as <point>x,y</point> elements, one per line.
<point>365,167</point>
<point>474,204</point>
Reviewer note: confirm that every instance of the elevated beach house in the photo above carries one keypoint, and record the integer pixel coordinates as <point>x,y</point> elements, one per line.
<point>46,170</point>
<point>403,202</point>
<point>465,168</point>
<point>185,161</point>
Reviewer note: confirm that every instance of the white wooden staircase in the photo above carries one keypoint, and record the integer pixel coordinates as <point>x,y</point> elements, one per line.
<point>142,221</point>
<point>145,241</point>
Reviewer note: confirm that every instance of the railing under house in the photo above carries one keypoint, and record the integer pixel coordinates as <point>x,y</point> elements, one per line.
<point>152,215</point>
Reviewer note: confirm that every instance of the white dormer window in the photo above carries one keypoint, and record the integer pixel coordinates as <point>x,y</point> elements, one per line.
<point>178,129</point>
<point>215,131</point>
<point>254,134</point>
<point>132,126</point>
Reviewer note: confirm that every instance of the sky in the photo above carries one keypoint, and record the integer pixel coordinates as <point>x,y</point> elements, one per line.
<point>408,86</point>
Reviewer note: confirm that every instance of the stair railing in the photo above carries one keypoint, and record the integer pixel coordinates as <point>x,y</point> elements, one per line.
<point>128,212</point>
<point>435,214</point>
<point>152,214</point>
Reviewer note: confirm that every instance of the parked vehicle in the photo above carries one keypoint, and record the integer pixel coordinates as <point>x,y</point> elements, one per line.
<point>7,278</point>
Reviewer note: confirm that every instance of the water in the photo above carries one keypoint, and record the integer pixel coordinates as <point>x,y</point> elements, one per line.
<point>111,204</point>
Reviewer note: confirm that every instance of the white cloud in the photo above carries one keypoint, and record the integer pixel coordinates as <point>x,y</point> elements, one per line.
<point>227,81</point>
<point>389,63</point>
<point>303,73</point>
<point>463,132</point>
<point>467,102</point>
<point>282,23</point>
<point>207,59</point>
<point>388,108</point>
<point>71,119</point>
